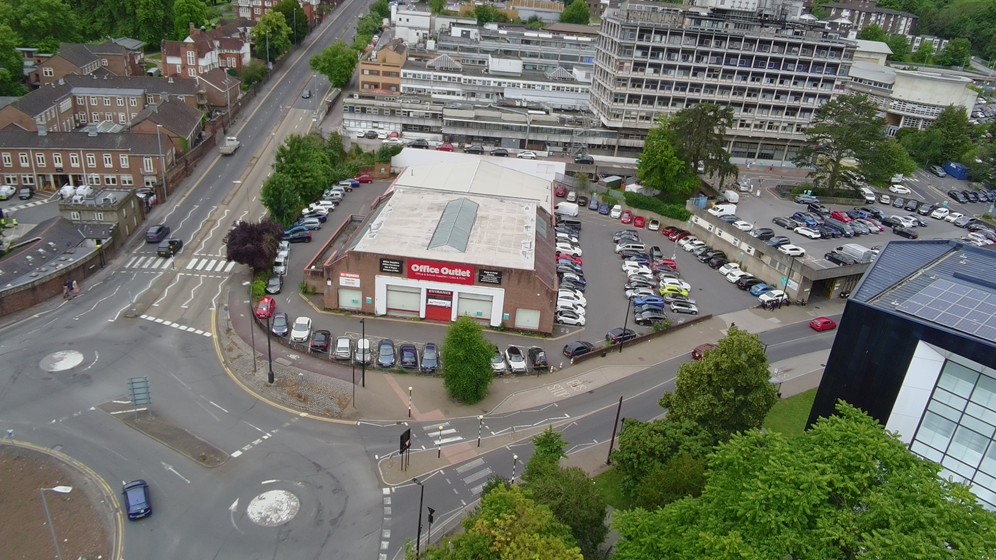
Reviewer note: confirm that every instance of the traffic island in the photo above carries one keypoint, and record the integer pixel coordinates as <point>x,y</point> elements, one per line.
<point>166,432</point>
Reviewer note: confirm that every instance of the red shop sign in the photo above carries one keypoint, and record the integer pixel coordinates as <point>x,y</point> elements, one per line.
<point>441,272</point>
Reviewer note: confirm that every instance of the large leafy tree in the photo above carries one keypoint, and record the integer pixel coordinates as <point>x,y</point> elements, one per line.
<point>846,128</point>
<point>957,53</point>
<point>952,124</point>
<point>271,36</point>
<point>303,160</point>
<point>573,500</point>
<point>254,244</point>
<point>508,525</point>
<point>699,133</point>
<point>900,47</point>
<point>885,159</point>
<point>295,17</point>
<point>660,167</point>
<point>437,6</point>
<point>727,391</point>
<point>381,9</point>
<point>336,62</point>
<point>186,12</point>
<point>577,12</point>
<point>280,196</point>
<point>644,446</point>
<point>925,54</point>
<point>466,357</point>
<point>11,64</point>
<point>486,13</point>
<point>926,147</point>
<point>845,489</point>
<point>873,33</point>
<point>682,475</point>
<point>42,24</point>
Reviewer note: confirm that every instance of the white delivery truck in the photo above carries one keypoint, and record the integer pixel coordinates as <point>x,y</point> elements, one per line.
<point>723,210</point>
<point>231,144</point>
<point>731,196</point>
<point>566,209</point>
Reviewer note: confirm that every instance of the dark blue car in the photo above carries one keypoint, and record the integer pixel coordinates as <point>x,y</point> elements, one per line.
<point>604,209</point>
<point>593,205</point>
<point>137,502</point>
<point>294,230</point>
<point>809,221</point>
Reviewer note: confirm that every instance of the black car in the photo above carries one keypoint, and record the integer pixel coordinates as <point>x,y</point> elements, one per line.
<point>618,335</point>
<point>25,193</point>
<point>421,143</point>
<point>787,223</point>
<point>306,94</point>
<point>137,501</point>
<point>958,197</point>
<point>875,212</point>
<point>639,283</point>
<point>905,232</point>
<point>169,247</point>
<point>500,152</point>
<point>299,237</point>
<point>838,258</point>
<point>584,160</point>
<point>827,232</point>
<point>155,234</point>
<point>537,358</point>
<point>919,221</point>
<point>275,284</point>
<point>622,233</point>
<point>650,317</point>
<point>891,221</point>
<point>983,197</point>
<point>385,353</point>
<point>430,358</point>
<point>320,341</point>
<point>971,196</point>
<point>717,262</point>
<point>578,348</point>
<point>925,209</point>
<point>778,241</point>
<point>818,209</point>
<point>572,285</point>
<point>408,356</point>
<point>748,283</point>
<point>474,150</point>
<point>898,202</point>
<point>912,205</point>
<point>316,215</point>
<point>709,255</point>
<point>730,218</point>
<point>280,325</point>
<point>582,201</point>
<point>763,234</point>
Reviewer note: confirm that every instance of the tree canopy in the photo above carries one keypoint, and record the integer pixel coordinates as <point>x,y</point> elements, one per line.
<point>302,158</point>
<point>846,128</point>
<point>271,36</point>
<point>336,62</point>
<point>699,133</point>
<point>886,159</point>
<point>466,359</point>
<point>293,14</point>
<point>845,489</point>
<point>11,64</point>
<point>486,13</point>
<point>280,196</point>
<point>185,13</point>
<point>660,166</point>
<point>42,24</point>
<point>254,244</point>
<point>577,12</point>
<point>947,138</point>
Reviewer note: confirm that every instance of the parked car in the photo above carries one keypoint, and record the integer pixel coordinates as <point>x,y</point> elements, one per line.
<point>683,307</point>
<point>445,147</point>
<point>408,356</point>
<point>498,364</point>
<point>299,237</point>
<point>616,212</point>
<point>364,178</point>
<point>627,217</point>
<point>772,296</point>
<point>343,348</point>
<point>385,354</point>
<point>301,331</point>
<point>806,199</point>
<point>639,221</point>
<point>578,348</point>
<point>516,361</point>
<point>649,317</point>
<point>778,241</point>
<point>475,149</point>
<point>420,143</point>
<point>604,210</point>
<point>138,503</point>
<point>654,225</point>
<point>526,155</point>
<point>899,189</point>
<point>275,284</point>
<point>7,191</point>
<point>938,170</point>
<point>280,326</point>
<point>499,152</point>
<point>567,317</point>
<point>265,307</point>
<point>363,354</point>
<point>320,341</point>
<point>763,234</point>
<point>593,205</point>
<point>25,193</point>
<point>909,233</point>
<point>430,358</point>
<point>537,358</point>
<point>806,232</point>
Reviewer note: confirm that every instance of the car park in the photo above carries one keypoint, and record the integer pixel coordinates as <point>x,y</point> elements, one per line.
<point>301,331</point>
<point>516,361</point>
<point>957,196</point>
<point>971,196</point>
<point>578,348</point>
<point>963,221</point>
<point>138,503</point>
<point>822,324</point>
<point>498,364</point>
<point>320,341</point>
<point>429,362</point>
<point>912,205</point>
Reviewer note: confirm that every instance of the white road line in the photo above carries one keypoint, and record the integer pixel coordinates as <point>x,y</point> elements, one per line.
<point>477,476</point>
<point>192,290</point>
<point>221,265</point>
<point>211,232</point>
<point>166,292</point>
<point>131,262</point>
<point>230,265</point>
<point>201,264</point>
<point>192,263</point>
<point>77,318</point>
<point>134,275</point>
<point>434,427</point>
<point>186,218</point>
<point>146,262</point>
<point>470,466</point>
<point>214,302</point>
<point>447,440</point>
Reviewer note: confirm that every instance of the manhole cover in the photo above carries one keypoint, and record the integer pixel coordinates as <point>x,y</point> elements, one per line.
<point>61,360</point>
<point>273,508</point>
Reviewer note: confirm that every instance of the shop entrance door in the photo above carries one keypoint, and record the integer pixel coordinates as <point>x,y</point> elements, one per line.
<point>438,305</point>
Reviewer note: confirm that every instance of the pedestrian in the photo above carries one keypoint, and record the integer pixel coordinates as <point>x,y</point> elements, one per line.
<point>779,304</point>
<point>65,289</point>
<point>772,168</point>
<point>76,288</point>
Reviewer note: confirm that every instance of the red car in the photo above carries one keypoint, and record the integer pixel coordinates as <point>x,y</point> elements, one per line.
<point>266,307</point>
<point>627,217</point>
<point>678,234</point>
<point>822,324</point>
<point>560,191</point>
<point>639,222</point>
<point>445,147</point>
<point>840,215</point>
<point>364,178</point>
<point>670,263</point>
<point>575,260</point>
<point>700,350</point>
<point>393,136</point>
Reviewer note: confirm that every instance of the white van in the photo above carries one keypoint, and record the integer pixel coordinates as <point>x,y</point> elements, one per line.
<point>631,247</point>
<point>731,196</point>
<point>867,194</point>
<point>723,210</point>
<point>566,209</point>
<point>280,266</point>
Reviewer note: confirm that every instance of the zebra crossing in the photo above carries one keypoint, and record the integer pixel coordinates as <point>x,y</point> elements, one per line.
<point>479,474</point>
<point>210,265</point>
<point>442,434</point>
<point>155,262</point>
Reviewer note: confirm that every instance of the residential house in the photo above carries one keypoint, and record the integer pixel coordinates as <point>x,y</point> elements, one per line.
<point>255,9</point>
<point>219,88</point>
<point>110,57</point>
<point>175,120</point>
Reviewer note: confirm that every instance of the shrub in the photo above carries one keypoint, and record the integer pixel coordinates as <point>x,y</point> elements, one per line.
<point>258,289</point>
<point>644,202</point>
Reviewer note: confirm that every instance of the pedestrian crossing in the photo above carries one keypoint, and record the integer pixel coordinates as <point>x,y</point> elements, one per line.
<point>479,474</point>
<point>26,205</point>
<point>155,262</point>
<point>444,436</point>
<point>210,265</point>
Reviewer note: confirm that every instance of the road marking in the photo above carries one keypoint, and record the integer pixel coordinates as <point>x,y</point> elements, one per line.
<point>477,476</point>
<point>192,290</point>
<point>230,265</point>
<point>470,466</point>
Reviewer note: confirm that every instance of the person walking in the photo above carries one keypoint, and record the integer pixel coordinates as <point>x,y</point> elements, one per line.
<point>66,286</point>
<point>76,288</point>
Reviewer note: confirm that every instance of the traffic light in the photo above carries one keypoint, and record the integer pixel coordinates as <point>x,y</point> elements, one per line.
<point>431,511</point>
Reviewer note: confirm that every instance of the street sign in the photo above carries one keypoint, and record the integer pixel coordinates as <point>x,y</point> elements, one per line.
<point>406,441</point>
<point>138,390</point>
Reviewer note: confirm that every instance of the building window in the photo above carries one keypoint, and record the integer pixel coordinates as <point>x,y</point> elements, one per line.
<point>91,160</point>
<point>96,117</point>
<point>147,165</point>
<point>133,101</point>
<point>48,72</point>
<point>80,100</point>
<point>122,118</point>
<point>123,160</point>
<point>191,72</point>
<point>120,101</point>
<point>23,158</point>
<point>93,179</point>
<point>108,160</point>
<point>74,160</point>
<point>150,99</point>
<point>109,117</point>
<point>74,216</point>
<point>28,180</point>
<point>107,101</point>
<point>111,180</point>
<point>10,179</point>
<point>57,160</point>
<point>103,62</point>
<point>93,100</point>
<point>190,58</point>
<point>127,181</point>
<point>7,160</point>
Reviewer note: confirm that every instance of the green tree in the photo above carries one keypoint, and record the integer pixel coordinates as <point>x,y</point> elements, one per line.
<point>549,444</point>
<point>336,62</point>
<point>186,12</point>
<point>253,244</point>
<point>846,128</point>
<point>293,14</point>
<point>699,133</point>
<point>381,9</point>
<point>659,167</point>
<point>271,36</point>
<point>727,391</point>
<point>681,476</point>
<point>11,64</point>
<point>957,53</point>
<point>303,160</point>
<point>280,196</point>
<point>577,12</point>
<point>437,6</point>
<point>573,500</point>
<point>900,47</point>
<point>42,24</point>
<point>386,152</point>
<point>844,489</point>
<point>885,159</point>
<point>466,358</point>
<point>581,180</point>
<point>254,72</point>
<point>873,33</point>
<point>535,22</point>
<point>486,13</point>
<point>925,54</point>
<point>955,131</point>
<point>643,446</point>
<point>926,147</point>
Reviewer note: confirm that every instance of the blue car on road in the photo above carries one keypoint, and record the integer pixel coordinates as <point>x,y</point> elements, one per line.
<point>604,209</point>
<point>656,301</point>
<point>759,289</point>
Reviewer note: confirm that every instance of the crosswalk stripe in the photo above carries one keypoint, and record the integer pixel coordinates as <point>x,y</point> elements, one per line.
<point>166,263</point>
<point>192,263</point>
<point>470,466</point>
<point>146,262</point>
<point>447,440</point>
<point>230,265</point>
<point>131,262</point>
<point>477,489</point>
<point>221,265</point>
<point>434,427</point>
<point>202,263</point>
<point>477,476</point>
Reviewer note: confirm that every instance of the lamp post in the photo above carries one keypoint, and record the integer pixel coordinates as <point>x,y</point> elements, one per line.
<point>61,490</point>
<point>439,444</point>
<point>363,361</point>
<point>629,305</point>
<point>480,425</point>
<point>162,165</point>
<point>409,402</point>
<point>269,350</point>
<point>515,459</point>
<point>418,539</point>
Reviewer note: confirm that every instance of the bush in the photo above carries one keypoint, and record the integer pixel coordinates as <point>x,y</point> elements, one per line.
<point>644,202</point>
<point>258,289</point>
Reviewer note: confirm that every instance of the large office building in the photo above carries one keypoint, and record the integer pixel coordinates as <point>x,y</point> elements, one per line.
<point>916,350</point>
<point>657,59</point>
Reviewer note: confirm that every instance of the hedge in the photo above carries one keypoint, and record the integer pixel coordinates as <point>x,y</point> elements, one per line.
<point>644,202</point>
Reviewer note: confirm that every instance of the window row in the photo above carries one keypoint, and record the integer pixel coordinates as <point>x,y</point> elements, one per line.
<point>41,159</point>
<point>91,179</point>
<point>119,101</point>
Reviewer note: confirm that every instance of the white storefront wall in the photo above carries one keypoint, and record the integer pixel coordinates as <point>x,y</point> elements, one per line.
<point>380,295</point>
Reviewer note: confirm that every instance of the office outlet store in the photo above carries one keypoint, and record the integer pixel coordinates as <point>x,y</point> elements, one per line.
<point>440,291</point>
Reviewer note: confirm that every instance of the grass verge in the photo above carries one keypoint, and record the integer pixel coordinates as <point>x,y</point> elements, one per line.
<point>788,416</point>
<point>609,485</point>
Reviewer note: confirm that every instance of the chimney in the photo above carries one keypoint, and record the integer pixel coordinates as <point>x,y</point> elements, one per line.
<point>192,29</point>
<point>42,129</point>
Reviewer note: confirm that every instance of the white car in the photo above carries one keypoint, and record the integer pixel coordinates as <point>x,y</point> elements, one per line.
<point>729,267</point>
<point>526,155</point>
<point>907,221</point>
<point>615,212</point>
<point>7,191</point>
<point>566,238</point>
<point>569,249</point>
<point>940,213</point>
<point>569,318</point>
<point>742,225</point>
<point>564,305</point>
<point>885,199</point>
<point>677,282</point>
<point>685,241</point>
<point>327,205</point>
<point>571,296</point>
<point>806,232</point>
<point>773,295</point>
<point>636,269</point>
<point>694,245</point>
<point>301,331</point>
<point>953,217</point>
<point>736,275</point>
<point>899,189</point>
<point>792,250</point>
<point>515,360</point>
<point>654,225</point>
<point>640,292</point>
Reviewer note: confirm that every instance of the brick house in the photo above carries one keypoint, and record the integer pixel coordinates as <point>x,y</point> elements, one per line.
<point>255,9</point>
<point>220,89</point>
<point>381,69</point>
<point>118,208</point>
<point>109,57</point>
<point>204,50</point>
<point>175,120</point>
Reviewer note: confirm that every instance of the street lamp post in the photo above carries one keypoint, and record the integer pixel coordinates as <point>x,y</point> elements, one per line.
<point>480,426</point>
<point>61,490</point>
<point>269,350</point>
<point>439,444</point>
<point>409,402</point>
<point>162,165</point>
<point>629,304</point>
<point>418,539</point>
<point>515,459</point>
<point>363,361</point>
